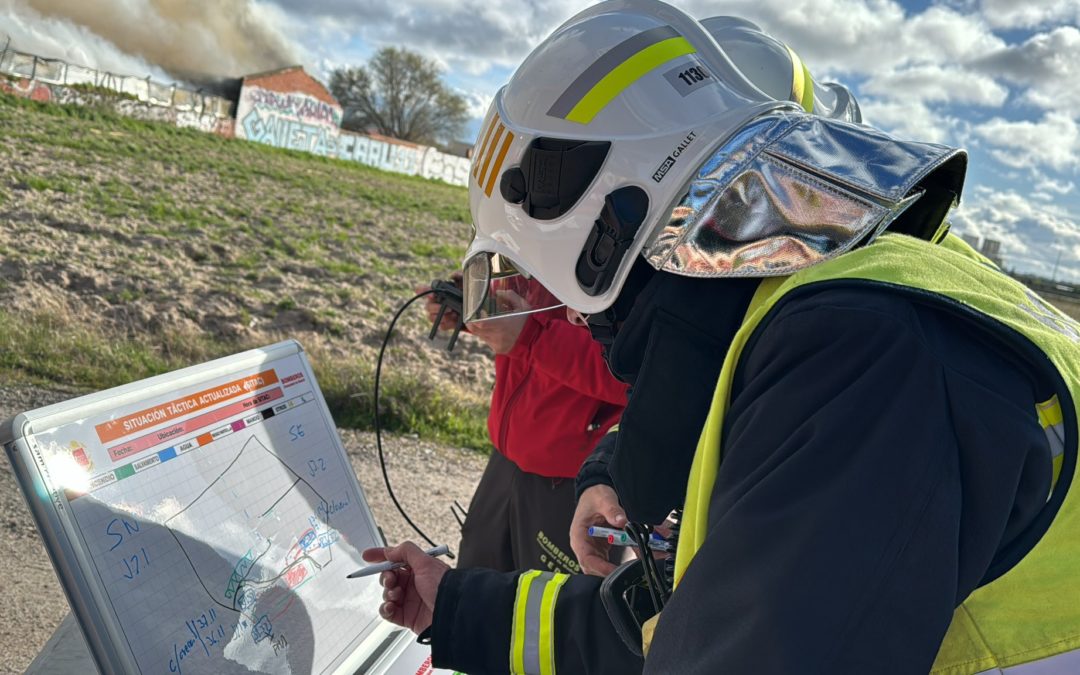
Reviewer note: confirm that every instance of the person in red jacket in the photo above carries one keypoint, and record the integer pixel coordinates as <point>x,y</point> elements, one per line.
<point>554,399</point>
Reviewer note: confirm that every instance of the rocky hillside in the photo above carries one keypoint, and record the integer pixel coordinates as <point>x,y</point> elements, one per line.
<point>130,248</point>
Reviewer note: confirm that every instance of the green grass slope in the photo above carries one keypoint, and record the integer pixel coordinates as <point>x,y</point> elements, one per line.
<point>129,249</point>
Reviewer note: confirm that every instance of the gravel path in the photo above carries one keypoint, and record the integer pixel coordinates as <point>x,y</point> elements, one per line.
<point>426,478</point>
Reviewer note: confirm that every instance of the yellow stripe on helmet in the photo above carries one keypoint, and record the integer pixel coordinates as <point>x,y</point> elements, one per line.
<point>498,162</point>
<point>627,73</point>
<point>802,85</point>
<point>481,146</point>
<point>489,153</point>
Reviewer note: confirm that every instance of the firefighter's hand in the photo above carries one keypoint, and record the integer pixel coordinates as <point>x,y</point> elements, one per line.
<point>500,334</point>
<point>409,592</point>
<point>431,305</point>
<point>599,505</point>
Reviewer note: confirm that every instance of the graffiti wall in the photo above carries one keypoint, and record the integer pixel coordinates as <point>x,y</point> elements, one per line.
<point>286,108</point>
<point>31,89</point>
<point>449,168</point>
<point>35,71</point>
<point>288,120</point>
<point>416,160</point>
<point>55,93</point>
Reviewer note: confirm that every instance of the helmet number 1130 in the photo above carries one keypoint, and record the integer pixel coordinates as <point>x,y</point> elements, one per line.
<point>693,74</point>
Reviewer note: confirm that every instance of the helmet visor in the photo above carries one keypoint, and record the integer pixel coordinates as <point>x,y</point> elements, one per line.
<point>494,288</point>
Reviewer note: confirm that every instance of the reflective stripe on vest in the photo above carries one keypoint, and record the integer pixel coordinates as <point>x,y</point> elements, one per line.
<point>1027,621</point>
<point>1052,421</point>
<point>532,650</point>
<point>1067,663</point>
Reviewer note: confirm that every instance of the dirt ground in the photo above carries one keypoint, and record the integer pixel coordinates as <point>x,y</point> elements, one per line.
<point>427,478</point>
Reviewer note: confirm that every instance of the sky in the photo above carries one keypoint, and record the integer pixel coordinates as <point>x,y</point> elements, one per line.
<point>1000,78</point>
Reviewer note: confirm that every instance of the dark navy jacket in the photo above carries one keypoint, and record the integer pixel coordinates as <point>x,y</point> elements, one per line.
<point>878,453</point>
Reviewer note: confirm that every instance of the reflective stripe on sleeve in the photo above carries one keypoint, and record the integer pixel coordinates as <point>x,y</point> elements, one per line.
<point>547,625</point>
<point>532,648</point>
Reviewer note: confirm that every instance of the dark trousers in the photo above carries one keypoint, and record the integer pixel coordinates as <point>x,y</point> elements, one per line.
<point>518,521</point>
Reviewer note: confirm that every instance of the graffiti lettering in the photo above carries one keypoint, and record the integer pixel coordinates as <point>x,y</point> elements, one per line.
<point>449,168</point>
<point>55,93</point>
<point>284,120</point>
<point>410,159</point>
<point>303,107</point>
<point>283,132</point>
<point>30,89</point>
<point>293,121</point>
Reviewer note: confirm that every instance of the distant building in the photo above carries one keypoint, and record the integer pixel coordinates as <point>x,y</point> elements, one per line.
<point>991,248</point>
<point>288,108</point>
<point>459,149</point>
<point>972,240</point>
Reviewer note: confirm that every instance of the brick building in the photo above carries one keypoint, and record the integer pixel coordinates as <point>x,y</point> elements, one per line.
<point>287,108</point>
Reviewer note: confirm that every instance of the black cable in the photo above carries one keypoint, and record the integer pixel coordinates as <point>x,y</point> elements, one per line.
<point>378,425</point>
<point>460,514</point>
<point>643,553</point>
<point>640,534</point>
<point>673,543</point>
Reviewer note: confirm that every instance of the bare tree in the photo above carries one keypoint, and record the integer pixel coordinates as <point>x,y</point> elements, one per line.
<point>399,93</point>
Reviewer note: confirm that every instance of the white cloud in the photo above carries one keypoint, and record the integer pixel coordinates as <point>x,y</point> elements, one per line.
<point>469,36</point>
<point>903,61</point>
<point>865,36</point>
<point>1047,184</point>
<point>1029,13</point>
<point>1041,65</point>
<point>910,119</point>
<point>1053,141</point>
<point>478,103</point>
<point>938,84</point>
<point>1031,233</point>
<point>944,54</point>
<point>944,35</point>
<point>833,36</point>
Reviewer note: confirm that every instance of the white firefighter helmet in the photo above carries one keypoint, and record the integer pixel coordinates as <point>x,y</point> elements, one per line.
<point>595,138</point>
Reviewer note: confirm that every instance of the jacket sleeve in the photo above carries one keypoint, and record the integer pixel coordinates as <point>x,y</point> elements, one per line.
<point>856,505</point>
<point>569,355</point>
<point>594,470</point>
<point>488,622</point>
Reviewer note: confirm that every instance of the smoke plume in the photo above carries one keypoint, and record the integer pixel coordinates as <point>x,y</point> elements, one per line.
<point>191,40</point>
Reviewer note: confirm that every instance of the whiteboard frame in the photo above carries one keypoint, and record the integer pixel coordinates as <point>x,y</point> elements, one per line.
<point>85,594</point>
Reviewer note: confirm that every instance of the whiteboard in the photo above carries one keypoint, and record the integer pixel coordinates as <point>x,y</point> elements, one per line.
<point>204,521</point>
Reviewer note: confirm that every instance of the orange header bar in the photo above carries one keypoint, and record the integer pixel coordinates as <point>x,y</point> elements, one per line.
<point>114,429</point>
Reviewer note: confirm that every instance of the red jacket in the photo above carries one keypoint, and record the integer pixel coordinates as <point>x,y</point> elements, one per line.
<point>554,397</point>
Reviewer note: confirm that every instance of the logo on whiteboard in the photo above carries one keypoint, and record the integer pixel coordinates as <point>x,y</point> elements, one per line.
<point>79,454</point>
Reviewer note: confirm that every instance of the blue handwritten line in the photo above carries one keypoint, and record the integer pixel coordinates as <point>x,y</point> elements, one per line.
<point>191,627</point>
<point>108,531</point>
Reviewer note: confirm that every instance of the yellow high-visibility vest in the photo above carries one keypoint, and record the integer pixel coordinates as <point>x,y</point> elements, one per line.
<point>1026,621</point>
